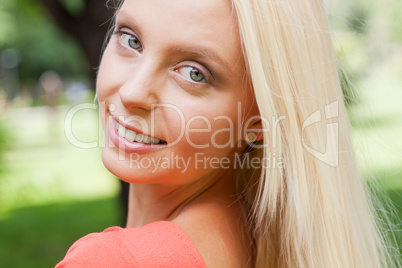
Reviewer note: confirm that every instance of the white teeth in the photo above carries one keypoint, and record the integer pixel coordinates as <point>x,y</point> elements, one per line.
<point>146,139</point>
<point>155,141</point>
<point>138,137</point>
<point>134,137</point>
<point>130,135</point>
<point>122,131</point>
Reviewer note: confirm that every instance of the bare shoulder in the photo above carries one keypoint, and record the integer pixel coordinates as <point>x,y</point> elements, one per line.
<point>219,233</point>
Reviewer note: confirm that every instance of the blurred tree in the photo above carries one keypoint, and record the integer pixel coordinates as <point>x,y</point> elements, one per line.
<point>353,60</point>
<point>396,21</point>
<point>86,21</point>
<point>4,144</point>
<point>25,25</point>
<point>358,17</point>
<point>26,28</point>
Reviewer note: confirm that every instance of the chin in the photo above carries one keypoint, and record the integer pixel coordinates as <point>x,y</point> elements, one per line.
<point>128,171</point>
<point>122,169</point>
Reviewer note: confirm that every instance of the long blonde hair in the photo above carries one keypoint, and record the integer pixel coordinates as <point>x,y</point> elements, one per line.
<point>314,211</point>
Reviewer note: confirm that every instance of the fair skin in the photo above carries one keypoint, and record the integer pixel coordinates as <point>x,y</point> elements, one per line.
<point>189,58</point>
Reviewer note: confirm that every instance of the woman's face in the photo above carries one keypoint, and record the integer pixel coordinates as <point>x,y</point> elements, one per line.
<point>174,71</point>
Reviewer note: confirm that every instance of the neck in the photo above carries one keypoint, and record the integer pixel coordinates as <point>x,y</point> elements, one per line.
<point>158,202</point>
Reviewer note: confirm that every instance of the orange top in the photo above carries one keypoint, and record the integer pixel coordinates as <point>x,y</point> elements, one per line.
<point>158,244</point>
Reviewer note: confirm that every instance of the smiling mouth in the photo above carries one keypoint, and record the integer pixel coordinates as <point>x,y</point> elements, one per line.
<point>132,136</point>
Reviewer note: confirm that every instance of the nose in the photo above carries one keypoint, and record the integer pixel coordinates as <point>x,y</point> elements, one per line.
<point>141,87</point>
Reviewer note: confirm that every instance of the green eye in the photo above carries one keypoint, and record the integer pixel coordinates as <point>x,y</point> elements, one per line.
<point>193,74</point>
<point>134,43</point>
<point>196,75</point>
<point>128,40</point>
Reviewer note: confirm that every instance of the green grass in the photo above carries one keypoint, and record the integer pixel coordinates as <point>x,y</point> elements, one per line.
<point>39,236</point>
<point>51,193</point>
<point>43,166</point>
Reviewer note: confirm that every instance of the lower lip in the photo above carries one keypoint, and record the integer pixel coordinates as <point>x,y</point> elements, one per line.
<point>128,146</point>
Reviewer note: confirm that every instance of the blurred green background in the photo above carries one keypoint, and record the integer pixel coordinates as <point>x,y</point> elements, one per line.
<point>52,193</point>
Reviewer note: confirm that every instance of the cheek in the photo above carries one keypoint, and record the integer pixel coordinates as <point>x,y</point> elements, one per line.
<point>218,129</point>
<point>110,75</point>
<point>198,131</point>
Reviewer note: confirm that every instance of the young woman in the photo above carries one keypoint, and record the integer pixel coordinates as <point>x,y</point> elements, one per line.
<point>227,119</point>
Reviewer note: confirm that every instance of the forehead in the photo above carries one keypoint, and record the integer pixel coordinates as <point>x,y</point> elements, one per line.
<point>206,23</point>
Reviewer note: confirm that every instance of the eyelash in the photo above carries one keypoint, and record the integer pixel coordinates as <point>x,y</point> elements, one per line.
<point>119,33</point>
<point>192,82</point>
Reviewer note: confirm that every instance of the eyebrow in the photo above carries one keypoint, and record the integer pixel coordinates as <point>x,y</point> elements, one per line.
<point>122,15</point>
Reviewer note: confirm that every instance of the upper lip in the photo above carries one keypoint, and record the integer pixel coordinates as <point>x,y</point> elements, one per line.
<point>133,128</point>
